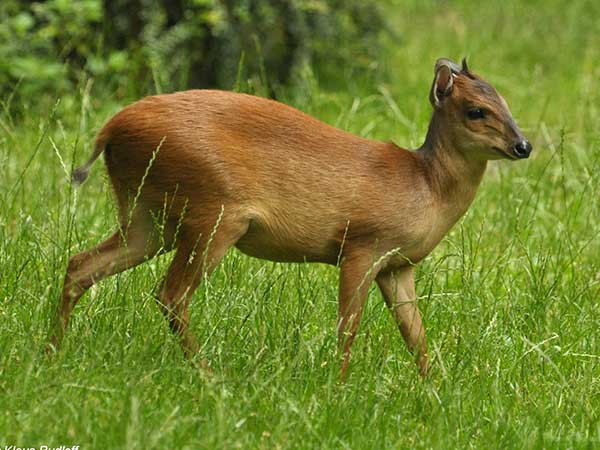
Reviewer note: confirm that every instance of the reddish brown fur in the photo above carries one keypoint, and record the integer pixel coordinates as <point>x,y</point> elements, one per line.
<point>225,169</point>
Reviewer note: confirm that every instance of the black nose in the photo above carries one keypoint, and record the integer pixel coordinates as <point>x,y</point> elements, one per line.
<point>522,149</point>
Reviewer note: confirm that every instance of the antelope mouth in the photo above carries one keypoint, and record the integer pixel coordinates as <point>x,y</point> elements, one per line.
<point>504,154</point>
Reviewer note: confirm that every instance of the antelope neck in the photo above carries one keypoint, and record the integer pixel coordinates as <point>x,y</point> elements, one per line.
<point>453,178</point>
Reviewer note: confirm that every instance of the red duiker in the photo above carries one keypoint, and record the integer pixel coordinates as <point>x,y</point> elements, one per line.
<point>218,169</point>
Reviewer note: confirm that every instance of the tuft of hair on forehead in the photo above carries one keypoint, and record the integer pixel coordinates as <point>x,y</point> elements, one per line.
<point>472,85</point>
<point>483,87</point>
<point>476,83</point>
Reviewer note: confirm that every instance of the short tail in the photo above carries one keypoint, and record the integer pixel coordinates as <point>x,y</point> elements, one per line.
<point>80,174</point>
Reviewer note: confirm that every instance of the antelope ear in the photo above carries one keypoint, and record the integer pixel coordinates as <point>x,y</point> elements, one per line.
<point>442,82</point>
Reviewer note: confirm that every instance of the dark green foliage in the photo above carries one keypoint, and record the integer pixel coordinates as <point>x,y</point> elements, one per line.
<point>139,46</point>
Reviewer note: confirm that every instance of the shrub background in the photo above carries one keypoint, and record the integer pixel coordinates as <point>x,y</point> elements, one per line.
<point>135,46</point>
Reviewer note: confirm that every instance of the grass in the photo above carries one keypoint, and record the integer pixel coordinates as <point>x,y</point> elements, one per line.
<point>510,298</point>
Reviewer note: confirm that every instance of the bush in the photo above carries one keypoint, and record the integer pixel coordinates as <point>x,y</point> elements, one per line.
<point>137,46</point>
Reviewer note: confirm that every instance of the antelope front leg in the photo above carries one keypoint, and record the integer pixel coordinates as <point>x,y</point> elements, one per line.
<point>398,289</point>
<point>356,275</point>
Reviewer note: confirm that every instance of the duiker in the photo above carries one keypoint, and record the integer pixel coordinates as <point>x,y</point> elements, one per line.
<point>223,169</point>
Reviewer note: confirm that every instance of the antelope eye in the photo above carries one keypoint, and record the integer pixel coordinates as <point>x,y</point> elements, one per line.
<point>475,113</point>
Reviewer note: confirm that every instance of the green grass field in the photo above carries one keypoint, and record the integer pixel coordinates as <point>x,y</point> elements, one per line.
<point>510,299</point>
